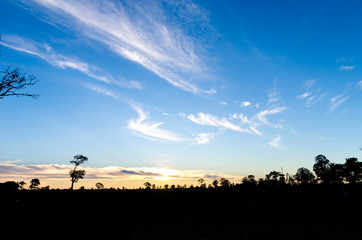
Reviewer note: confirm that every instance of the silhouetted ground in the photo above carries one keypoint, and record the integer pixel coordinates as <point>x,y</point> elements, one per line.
<point>247,212</point>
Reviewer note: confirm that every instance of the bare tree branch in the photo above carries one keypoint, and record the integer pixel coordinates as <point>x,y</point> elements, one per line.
<point>13,80</point>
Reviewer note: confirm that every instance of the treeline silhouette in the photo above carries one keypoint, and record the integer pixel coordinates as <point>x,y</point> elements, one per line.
<point>325,172</point>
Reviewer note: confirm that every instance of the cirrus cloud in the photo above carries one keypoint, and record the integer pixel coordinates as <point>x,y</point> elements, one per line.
<point>141,32</point>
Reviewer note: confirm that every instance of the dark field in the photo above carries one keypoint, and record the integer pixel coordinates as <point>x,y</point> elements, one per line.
<point>247,212</point>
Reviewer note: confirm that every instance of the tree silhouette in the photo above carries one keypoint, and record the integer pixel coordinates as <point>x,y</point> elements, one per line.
<point>336,173</point>
<point>12,81</point>
<point>250,180</point>
<point>74,173</point>
<point>21,185</point>
<point>34,184</point>
<point>147,185</point>
<point>202,183</point>
<point>9,186</point>
<point>99,185</point>
<point>353,170</point>
<point>304,175</point>
<point>215,183</point>
<point>225,182</point>
<point>322,168</point>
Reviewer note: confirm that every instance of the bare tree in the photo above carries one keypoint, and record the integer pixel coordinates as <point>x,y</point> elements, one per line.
<point>74,173</point>
<point>13,81</point>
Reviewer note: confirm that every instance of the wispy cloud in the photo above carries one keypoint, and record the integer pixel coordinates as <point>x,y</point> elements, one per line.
<point>276,141</point>
<point>359,85</point>
<point>47,53</point>
<point>337,101</point>
<point>211,120</point>
<point>141,32</point>
<point>312,94</point>
<point>304,95</point>
<point>310,83</point>
<point>151,130</point>
<point>102,90</point>
<point>342,59</point>
<point>346,68</point>
<point>261,116</point>
<point>244,125</point>
<point>273,97</point>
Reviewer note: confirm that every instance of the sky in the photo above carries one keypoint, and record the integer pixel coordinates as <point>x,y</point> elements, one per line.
<point>172,91</point>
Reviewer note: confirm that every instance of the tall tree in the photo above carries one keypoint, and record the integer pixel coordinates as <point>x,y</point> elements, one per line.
<point>336,172</point>
<point>322,168</point>
<point>74,173</point>
<point>13,81</point>
<point>353,170</point>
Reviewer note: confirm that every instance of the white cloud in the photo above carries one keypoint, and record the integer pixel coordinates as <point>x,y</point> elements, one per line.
<point>337,101</point>
<point>245,104</point>
<point>276,141</point>
<point>245,125</point>
<point>203,138</point>
<point>141,32</point>
<point>215,121</point>
<point>304,95</point>
<point>261,116</point>
<point>151,130</point>
<point>346,68</point>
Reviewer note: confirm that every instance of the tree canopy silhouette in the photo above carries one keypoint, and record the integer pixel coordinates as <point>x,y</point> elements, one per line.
<point>304,175</point>
<point>34,184</point>
<point>353,170</point>
<point>99,185</point>
<point>321,168</point>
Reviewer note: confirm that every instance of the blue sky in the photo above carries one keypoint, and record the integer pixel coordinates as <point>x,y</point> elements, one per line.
<point>206,89</point>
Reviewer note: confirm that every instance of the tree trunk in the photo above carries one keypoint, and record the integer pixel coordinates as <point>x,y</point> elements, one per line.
<point>71,187</point>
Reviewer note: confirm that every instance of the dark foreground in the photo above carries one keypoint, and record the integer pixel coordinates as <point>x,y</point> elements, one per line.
<point>250,212</point>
